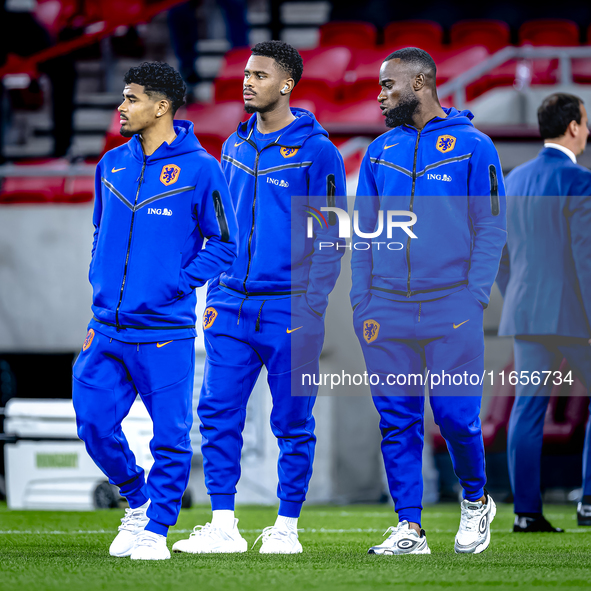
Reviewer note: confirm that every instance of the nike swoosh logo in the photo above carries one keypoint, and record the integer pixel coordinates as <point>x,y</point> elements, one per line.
<point>236,144</point>
<point>291,330</point>
<point>460,324</point>
<point>117,169</point>
<point>386,147</point>
<point>162,344</point>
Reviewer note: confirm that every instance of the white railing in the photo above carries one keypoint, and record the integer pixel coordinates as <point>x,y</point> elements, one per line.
<point>565,55</point>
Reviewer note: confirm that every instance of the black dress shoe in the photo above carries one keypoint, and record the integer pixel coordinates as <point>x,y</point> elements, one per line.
<point>537,524</point>
<point>583,514</point>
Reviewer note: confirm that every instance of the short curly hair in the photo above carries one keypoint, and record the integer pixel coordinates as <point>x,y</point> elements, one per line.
<point>287,57</point>
<point>161,78</point>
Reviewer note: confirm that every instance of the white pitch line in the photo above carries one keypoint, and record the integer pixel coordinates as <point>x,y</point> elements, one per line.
<point>252,531</point>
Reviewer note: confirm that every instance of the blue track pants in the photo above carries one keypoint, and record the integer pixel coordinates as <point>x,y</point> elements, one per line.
<point>108,375</point>
<point>403,339</point>
<point>242,335</point>
<point>526,425</point>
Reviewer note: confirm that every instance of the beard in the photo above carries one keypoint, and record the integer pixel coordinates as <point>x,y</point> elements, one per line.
<point>250,109</point>
<point>127,132</point>
<point>404,112</point>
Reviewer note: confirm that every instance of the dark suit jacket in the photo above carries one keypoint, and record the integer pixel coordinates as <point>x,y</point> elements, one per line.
<point>545,271</point>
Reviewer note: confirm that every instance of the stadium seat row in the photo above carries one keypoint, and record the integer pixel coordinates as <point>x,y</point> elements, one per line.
<point>49,189</point>
<point>493,34</point>
<point>346,76</point>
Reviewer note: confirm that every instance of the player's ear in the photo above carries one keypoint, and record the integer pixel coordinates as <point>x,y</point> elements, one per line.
<point>418,82</point>
<point>163,107</point>
<point>287,86</point>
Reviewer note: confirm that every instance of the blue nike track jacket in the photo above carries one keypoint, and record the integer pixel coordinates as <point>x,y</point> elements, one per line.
<point>449,175</point>
<point>275,189</point>
<point>151,216</point>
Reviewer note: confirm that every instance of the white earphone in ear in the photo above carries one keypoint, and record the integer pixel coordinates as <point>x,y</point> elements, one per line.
<point>284,89</point>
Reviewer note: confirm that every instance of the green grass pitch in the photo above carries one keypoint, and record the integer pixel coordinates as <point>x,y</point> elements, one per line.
<point>57,550</point>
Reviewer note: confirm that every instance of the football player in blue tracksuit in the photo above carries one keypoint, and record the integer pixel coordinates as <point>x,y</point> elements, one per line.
<point>156,199</point>
<point>545,279</point>
<point>419,294</point>
<point>268,308</point>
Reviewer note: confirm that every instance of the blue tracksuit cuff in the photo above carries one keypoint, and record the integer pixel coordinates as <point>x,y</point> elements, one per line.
<point>410,514</point>
<point>222,502</point>
<point>290,508</point>
<point>157,528</point>
<point>137,499</point>
<point>475,495</point>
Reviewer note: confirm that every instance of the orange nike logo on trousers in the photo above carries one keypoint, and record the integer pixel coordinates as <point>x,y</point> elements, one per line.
<point>162,344</point>
<point>460,324</point>
<point>291,330</point>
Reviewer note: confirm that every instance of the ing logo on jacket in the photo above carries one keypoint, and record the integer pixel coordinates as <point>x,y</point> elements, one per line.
<point>445,143</point>
<point>288,152</point>
<point>371,329</point>
<point>170,174</point>
<point>209,317</point>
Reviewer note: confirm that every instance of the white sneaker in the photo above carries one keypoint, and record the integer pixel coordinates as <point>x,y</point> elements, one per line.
<point>150,546</point>
<point>473,536</point>
<point>207,539</point>
<point>403,540</point>
<point>279,541</point>
<point>132,524</point>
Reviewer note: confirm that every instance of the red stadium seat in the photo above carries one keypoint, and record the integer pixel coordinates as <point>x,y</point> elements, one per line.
<point>550,32</point>
<point>581,69</point>
<point>324,70</point>
<point>453,62</point>
<point>361,81</point>
<point>493,34</point>
<point>77,190</point>
<point>355,34</point>
<point>54,15</point>
<point>228,83</point>
<point>544,72</point>
<point>214,123</point>
<point>113,137</point>
<point>427,35</point>
<point>35,189</point>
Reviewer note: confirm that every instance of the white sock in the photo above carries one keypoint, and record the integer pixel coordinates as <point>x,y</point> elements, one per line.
<point>289,523</point>
<point>223,518</point>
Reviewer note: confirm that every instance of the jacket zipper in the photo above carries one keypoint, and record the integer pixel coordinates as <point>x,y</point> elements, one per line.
<point>412,198</point>
<point>137,194</point>
<point>256,180</point>
<point>220,214</point>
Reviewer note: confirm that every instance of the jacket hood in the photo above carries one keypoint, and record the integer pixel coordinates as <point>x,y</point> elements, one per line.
<point>184,143</point>
<point>304,126</point>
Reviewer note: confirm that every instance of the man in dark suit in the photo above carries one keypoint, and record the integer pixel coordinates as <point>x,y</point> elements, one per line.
<point>545,279</point>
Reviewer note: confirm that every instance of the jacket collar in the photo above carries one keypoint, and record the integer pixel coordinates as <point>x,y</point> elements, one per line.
<point>552,149</point>
<point>184,143</point>
<point>304,126</point>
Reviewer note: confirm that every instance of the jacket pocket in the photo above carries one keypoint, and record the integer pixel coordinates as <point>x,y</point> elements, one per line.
<point>494,190</point>
<point>330,198</point>
<point>220,214</point>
